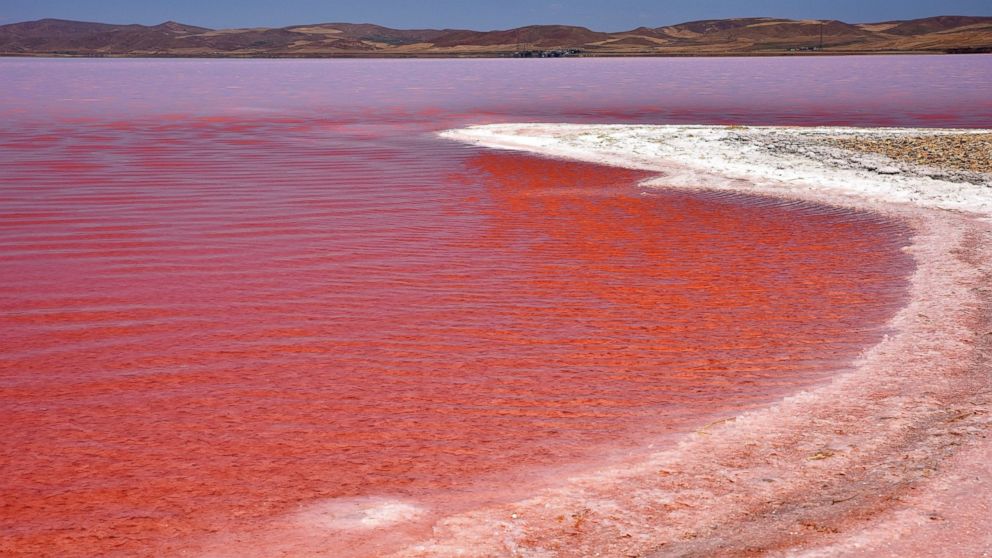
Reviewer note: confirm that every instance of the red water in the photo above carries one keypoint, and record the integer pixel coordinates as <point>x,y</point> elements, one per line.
<point>208,320</point>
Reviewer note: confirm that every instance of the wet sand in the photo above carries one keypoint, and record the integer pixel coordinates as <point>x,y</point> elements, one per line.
<point>891,458</point>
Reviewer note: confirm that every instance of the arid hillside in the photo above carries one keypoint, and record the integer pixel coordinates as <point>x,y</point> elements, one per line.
<point>745,36</point>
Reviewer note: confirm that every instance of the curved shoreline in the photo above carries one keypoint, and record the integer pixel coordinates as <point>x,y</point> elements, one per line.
<point>890,458</point>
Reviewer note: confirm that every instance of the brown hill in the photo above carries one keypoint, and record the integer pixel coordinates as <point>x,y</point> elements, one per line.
<point>780,34</point>
<point>934,24</point>
<point>634,40</point>
<point>54,35</point>
<point>180,28</point>
<point>373,33</point>
<point>543,36</point>
<point>707,37</point>
<point>710,26</point>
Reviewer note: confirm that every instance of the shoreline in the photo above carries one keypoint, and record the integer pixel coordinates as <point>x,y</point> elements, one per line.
<point>786,162</point>
<point>890,458</point>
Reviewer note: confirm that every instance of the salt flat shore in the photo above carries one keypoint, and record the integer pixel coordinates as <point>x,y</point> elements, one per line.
<point>827,164</point>
<point>893,457</point>
<point>890,458</point>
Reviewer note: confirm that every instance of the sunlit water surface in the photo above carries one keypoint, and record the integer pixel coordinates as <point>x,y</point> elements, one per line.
<point>232,288</point>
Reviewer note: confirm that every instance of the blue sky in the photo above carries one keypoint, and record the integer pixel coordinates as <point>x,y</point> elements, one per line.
<point>608,15</point>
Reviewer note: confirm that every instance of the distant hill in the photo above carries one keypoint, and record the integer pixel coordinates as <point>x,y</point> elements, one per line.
<point>744,36</point>
<point>534,36</point>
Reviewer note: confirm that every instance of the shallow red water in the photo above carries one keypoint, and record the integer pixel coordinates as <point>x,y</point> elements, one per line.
<point>207,321</point>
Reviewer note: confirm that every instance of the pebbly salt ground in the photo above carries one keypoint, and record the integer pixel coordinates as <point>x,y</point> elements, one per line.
<point>966,151</point>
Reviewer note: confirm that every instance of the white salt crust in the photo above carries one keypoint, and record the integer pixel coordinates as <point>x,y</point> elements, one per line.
<point>769,160</point>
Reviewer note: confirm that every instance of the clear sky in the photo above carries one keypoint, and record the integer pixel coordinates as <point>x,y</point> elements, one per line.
<point>601,15</point>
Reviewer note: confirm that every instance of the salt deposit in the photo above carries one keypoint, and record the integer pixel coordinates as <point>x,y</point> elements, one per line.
<point>793,162</point>
<point>888,459</point>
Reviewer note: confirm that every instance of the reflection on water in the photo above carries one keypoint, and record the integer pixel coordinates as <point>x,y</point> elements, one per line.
<point>898,90</point>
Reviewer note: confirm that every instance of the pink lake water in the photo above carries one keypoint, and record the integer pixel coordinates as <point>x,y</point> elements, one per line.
<point>230,289</point>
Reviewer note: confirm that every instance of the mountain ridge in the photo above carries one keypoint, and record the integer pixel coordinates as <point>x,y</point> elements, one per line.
<point>740,36</point>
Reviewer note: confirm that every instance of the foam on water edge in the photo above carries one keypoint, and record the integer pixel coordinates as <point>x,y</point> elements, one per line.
<point>340,514</point>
